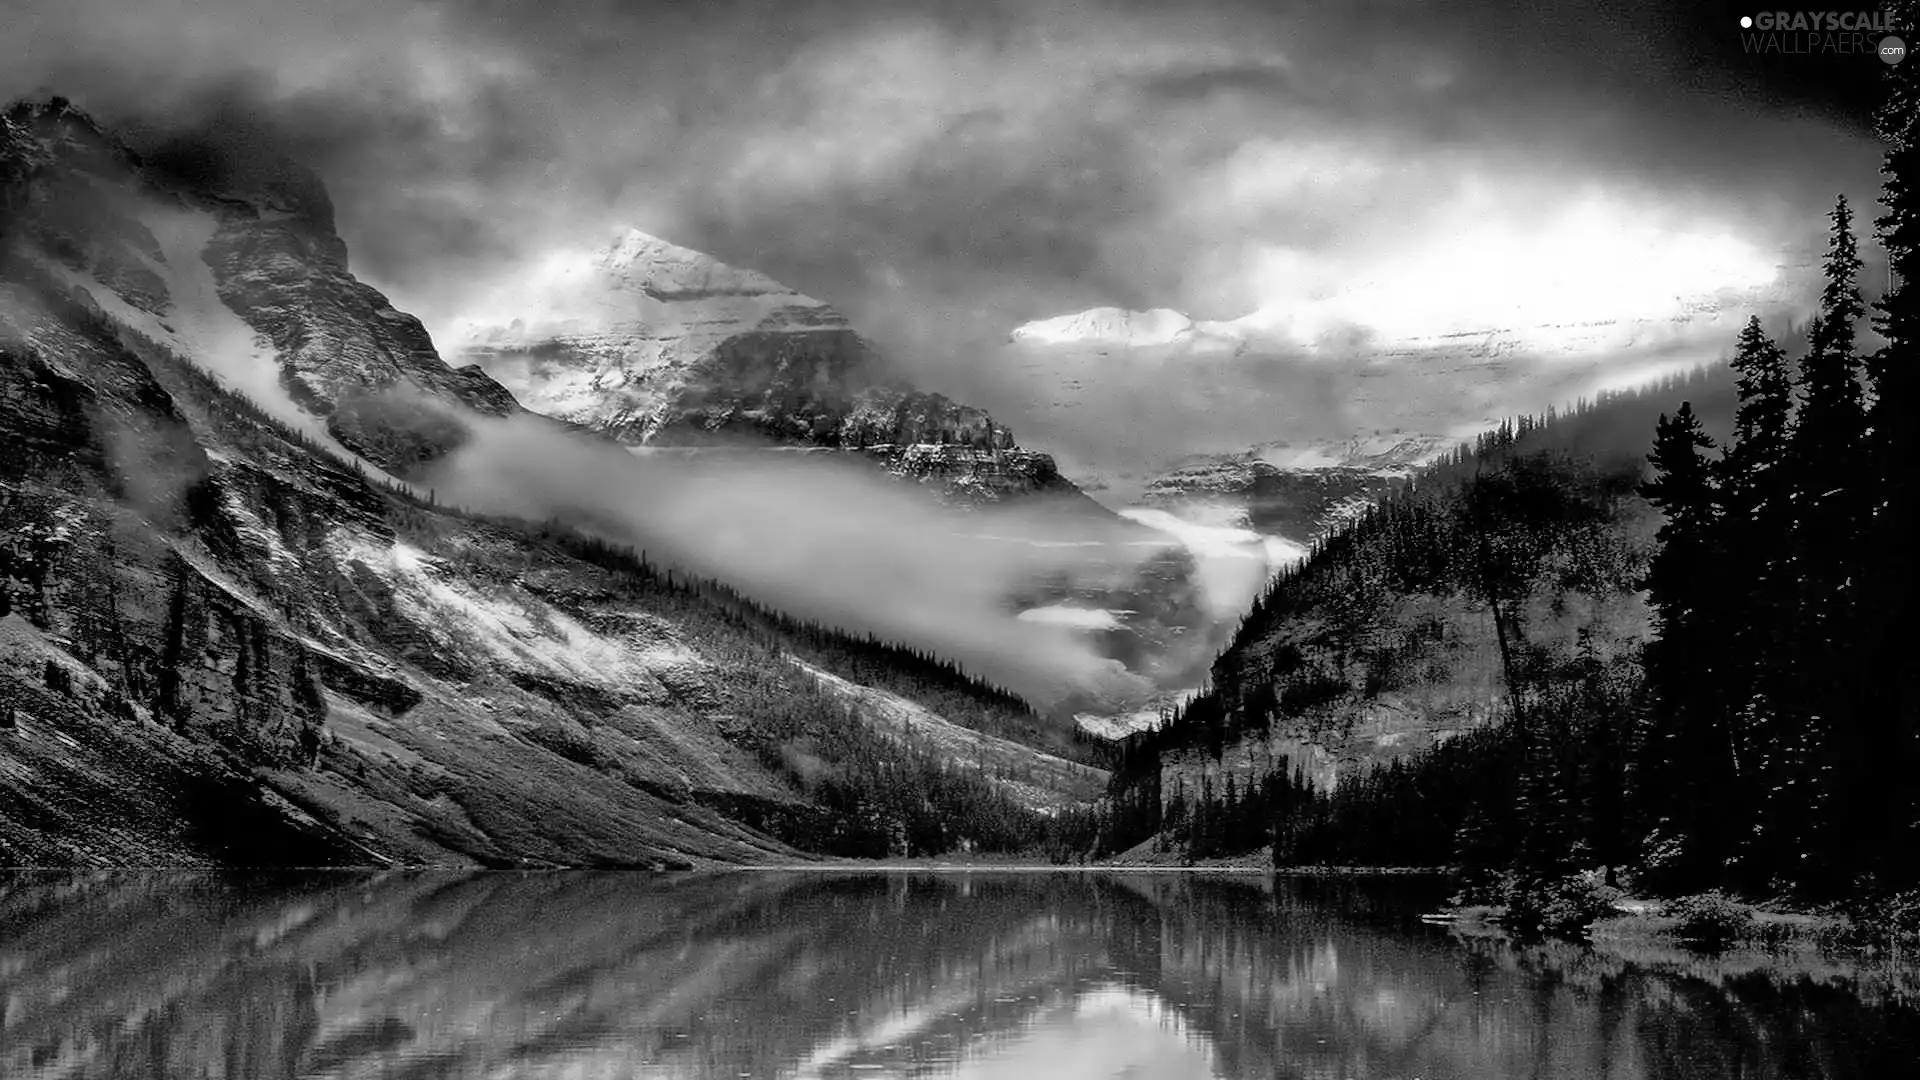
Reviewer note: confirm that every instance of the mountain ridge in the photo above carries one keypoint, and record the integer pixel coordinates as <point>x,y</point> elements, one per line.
<point>1519,556</point>
<point>226,638</point>
<point>659,345</point>
<point>98,209</point>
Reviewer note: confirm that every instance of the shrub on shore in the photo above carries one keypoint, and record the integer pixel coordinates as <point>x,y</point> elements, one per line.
<point>1563,906</point>
<point>1712,919</point>
<point>1889,922</point>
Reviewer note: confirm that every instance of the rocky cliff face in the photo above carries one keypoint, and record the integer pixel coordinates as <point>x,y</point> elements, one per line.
<point>670,350</point>
<point>659,345</point>
<point>237,257</point>
<point>1293,492</point>
<point>972,474</point>
<point>144,621</point>
<point>1295,503</point>
<point>219,644</point>
<point>345,353</point>
<point>223,640</point>
<point>201,620</point>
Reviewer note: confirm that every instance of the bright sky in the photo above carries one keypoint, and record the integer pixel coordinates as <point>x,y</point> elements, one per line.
<point>1595,257</point>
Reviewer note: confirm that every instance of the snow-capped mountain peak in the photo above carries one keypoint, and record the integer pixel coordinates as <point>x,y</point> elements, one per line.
<point>636,286</point>
<point>1110,326</point>
<point>655,344</point>
<point>666,271</point>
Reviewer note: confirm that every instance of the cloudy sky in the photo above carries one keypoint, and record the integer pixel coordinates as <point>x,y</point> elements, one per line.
<point>946,171</point>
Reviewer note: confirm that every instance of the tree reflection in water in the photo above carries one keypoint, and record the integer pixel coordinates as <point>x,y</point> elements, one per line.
<point>437,975</point>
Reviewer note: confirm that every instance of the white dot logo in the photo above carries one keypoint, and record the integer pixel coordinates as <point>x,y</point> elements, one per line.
<point>1746,22</point>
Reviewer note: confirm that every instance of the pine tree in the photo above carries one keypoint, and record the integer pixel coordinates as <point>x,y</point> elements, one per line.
<point>1827,448</point>
<point>1758,607</point>
<point>1206,821</point>
<point>1541,803</point>
<point>1831,505</point>
<point>1690,756</point>
<point>1605,716</point>
<point>1763,419</point>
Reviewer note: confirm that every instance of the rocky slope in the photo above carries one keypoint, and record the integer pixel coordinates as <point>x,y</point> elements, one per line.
<point>1295,493</point>
<point>226,639</point>
<point>235,259</point>
<point>672,352</point>
<point>655,344</point>
<point>1254,437</point>
<point>1384,643</point>
<point>256,654</point>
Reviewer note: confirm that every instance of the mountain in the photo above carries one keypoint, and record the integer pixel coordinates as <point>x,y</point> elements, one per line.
<point>1134,399</point>
<point>1254,437</point>
<point>235,260</point>
<point>1516,561</point>
<point>1248,516</point>
<point>680,356</point>
<point>658,345</point>
<point>226,637</point>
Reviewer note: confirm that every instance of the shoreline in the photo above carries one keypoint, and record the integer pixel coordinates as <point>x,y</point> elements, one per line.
<point>1637,927</point>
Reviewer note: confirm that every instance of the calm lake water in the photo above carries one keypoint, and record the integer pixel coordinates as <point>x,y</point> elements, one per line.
<point>1053,976</point>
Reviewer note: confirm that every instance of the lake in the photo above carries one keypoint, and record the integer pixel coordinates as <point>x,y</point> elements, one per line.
<point>1061,976</point>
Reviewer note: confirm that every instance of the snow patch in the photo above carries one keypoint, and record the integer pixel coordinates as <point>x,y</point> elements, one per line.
<point>1073,617</point>
<point>524,634</point>
<point>639,304</point>
<point>1395,453</point>
<point>1145,718</point>
<point>206,330</point>
<point>252,530</point>
<point>199,325</point>
<point>1109,326</point>
<point>607,336</point>
<point>665,269</point>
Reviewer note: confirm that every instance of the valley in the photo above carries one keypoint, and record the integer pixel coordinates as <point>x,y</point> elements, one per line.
<point>236,634</point>
<point>668,566</point>
<point>339,530</point>
<point>991,541</point>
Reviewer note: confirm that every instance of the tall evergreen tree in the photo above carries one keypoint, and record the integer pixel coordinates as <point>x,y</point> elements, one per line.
<point>1827,448</point>
<point>1763,420</point>
<point>1690,769</point>
<point>1832,501</point>
<point>1758,607</point>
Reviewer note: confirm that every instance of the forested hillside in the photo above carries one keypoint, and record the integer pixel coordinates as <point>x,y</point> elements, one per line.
<point>1491,585</point>
<point>1656,636</point>
<point>223,642</point>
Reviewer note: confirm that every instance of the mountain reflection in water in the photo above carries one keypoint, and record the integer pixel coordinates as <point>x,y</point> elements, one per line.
<point>420,976</point>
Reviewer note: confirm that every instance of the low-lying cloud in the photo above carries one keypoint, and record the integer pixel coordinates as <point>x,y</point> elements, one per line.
<point>820,536</point>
